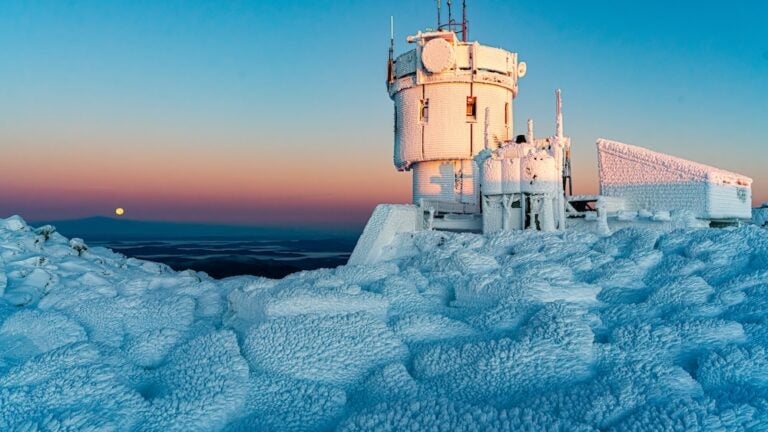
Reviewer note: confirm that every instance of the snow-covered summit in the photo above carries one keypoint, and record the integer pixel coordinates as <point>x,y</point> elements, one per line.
<point>640,330</point>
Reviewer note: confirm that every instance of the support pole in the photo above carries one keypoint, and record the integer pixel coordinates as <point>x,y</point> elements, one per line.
<point>559,116</point>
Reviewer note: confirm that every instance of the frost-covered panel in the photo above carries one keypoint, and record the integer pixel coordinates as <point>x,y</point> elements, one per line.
<point>463,60</point>
<point>493,59</point>
<point>690,197</point>
<point>446,130</point>
<point>729,201</point>
<point>405,63</point>
<point>408,133</point>
<point>655,181</point>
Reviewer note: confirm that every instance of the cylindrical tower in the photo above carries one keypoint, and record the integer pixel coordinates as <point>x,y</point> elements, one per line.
<point>452,100</point>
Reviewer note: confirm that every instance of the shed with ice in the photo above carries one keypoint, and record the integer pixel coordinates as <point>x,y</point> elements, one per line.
<point>649,180</point>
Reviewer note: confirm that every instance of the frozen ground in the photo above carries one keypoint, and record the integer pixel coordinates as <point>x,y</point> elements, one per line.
<point>524,331</point>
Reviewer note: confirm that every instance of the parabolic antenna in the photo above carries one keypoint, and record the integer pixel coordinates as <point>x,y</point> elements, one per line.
<point>522,68</point>
<point>438,55</point>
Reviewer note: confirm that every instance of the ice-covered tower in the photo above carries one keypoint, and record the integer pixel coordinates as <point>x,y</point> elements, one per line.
<point>452,99</point>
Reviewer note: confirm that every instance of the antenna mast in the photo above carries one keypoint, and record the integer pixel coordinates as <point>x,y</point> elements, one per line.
<point>567,179</point>
<point>391,61</point>
<point>451,25</point>
<point>464,20</point>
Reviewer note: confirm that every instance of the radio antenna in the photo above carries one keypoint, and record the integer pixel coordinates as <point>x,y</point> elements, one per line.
<point>464,20</point>
<point>391,61</point>
<point>392,33</point>
<point>451,25</point>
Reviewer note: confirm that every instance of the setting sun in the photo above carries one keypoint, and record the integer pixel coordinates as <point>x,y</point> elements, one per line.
<point>119,211</point>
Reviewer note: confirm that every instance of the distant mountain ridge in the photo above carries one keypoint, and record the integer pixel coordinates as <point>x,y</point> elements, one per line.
<point>106,228</point>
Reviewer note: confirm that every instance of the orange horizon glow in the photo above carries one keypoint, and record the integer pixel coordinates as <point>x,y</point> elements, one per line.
<point>200,184</point>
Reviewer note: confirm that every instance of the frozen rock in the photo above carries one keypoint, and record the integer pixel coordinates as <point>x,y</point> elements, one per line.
<point>13,223</point>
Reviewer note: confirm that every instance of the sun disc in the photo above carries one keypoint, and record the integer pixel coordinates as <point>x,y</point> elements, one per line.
<point>119,211</point>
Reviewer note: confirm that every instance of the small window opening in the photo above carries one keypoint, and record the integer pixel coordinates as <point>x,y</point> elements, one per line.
<point>471,108</point>
<point>424,110</point>
<point>506,114</point>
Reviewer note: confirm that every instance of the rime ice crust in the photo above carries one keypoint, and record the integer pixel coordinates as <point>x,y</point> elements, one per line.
<point>640,330</point>
<point>651,180</point>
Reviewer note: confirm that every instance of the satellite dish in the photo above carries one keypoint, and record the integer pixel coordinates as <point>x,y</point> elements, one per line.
<point>522,68</point>
<point>438,55</point>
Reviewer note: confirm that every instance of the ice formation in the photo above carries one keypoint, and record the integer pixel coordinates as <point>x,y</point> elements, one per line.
<point>566,331</point>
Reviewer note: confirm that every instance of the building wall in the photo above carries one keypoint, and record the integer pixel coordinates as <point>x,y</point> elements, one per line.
<point>446,131</point>
<point>432,123</point>
<point>452,180</point>
<point>497,100</point>
<point>729,201</point>
<point>655,181</point>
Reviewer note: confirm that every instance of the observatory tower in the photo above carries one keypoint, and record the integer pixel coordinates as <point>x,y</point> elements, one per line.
<point>452,99</point>
<point>453,129</point>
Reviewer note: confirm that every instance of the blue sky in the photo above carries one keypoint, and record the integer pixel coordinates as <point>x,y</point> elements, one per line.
<point>291,95</point>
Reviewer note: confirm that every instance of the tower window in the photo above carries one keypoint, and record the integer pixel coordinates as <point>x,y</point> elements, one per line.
<point>471,108</point>
<point>395,118</point>
<point>506,114</point>
<point>424,110</point>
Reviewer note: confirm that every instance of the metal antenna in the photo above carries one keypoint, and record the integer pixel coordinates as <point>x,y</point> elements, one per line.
<point>451,25</point>
<point>464,20</point>
<point>391,61</point>
<point>567,178</point>
<point>391,32</point>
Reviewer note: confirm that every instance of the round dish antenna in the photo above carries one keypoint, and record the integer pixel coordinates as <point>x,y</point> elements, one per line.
<point>438,55</point>
<point>522,68</point>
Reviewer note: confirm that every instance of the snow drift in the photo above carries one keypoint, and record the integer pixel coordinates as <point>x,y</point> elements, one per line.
<point>515,331</point>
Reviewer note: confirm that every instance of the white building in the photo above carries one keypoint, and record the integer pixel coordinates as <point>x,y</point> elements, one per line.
<point>452,100</point>
<point>453,129</point>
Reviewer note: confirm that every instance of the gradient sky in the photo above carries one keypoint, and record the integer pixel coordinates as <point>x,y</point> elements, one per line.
<point>275,112</point>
